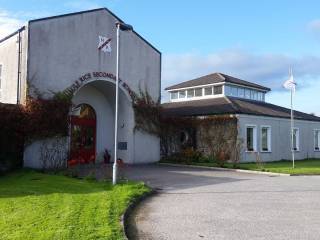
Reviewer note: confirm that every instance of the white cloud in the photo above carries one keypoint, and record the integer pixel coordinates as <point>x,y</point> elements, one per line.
<point>8,23</point>
<point>270,70</point>
<point>266,69</point>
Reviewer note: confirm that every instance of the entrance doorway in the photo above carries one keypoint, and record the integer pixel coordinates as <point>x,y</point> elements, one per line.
<point>83,135</point>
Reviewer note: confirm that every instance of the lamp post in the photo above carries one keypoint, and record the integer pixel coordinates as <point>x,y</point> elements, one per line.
<point>122,27</point>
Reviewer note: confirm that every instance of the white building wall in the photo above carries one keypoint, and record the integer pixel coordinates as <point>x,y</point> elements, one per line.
<point>9,61</point>
<point>63,49</point>
<point>280,138</point>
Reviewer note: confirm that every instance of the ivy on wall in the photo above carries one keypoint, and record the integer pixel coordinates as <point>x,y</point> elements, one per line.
<point>21,124</point>
<point>213,136</point>
<point>146,112</point>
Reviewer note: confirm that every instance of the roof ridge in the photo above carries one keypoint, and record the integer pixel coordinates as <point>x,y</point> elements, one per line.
<point>280,108</point>
<point>220,75</point>
<point>234,105</point>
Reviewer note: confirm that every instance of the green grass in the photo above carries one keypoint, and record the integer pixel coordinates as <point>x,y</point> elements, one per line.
<point>305,167</point>
<point>41,206</point>
<point>308,166</point>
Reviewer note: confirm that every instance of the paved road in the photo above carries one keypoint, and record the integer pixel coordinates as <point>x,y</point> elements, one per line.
<point>195,203</point>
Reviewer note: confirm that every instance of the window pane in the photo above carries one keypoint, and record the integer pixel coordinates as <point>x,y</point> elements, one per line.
<point>247,93</point>
<point>174,95</point>
<point>240,92</point>
<point>250,139</point>
<point>182,94</point>
<point>227,90</point>
<point>251,94</point>
<point>208,91</point>
<point>295,139</point>
<point>264,139</point>
<point>190,93</point>
<point>217,90</point>
<point>317,140</point>
<point>234,91</point>
<point>198,92</point>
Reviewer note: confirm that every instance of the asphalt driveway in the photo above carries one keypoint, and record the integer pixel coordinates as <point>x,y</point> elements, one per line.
<point>195,203</point>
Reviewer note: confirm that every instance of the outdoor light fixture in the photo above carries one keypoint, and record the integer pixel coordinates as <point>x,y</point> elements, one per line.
<point>123,27</point>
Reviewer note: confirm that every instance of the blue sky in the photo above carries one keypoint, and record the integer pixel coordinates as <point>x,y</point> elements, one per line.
<point>253,40</point>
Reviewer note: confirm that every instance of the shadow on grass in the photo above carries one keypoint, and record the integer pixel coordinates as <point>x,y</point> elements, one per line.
<point>24,182</point>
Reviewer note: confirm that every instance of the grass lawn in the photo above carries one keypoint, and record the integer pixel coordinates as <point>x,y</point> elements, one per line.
<point>308,166</point>
<point>41,206</point>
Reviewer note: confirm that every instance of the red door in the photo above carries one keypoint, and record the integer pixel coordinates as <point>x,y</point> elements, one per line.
<point>83,135</point>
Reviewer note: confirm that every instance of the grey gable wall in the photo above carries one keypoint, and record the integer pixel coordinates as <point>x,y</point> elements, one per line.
<point>64,48</point>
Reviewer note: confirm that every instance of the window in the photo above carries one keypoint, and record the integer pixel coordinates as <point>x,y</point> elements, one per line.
<point>217,90</point>
<point>251,137</point>
<point>208,91</point>
<point>227,90</point>
<point>182,94</point>
<point>0,76</point>
<point>174,95</point>
<point>265,139</point>
<point>190,93</point>
<point>251,94</point>
<point>317,140</point>
<point>247,93</point>
<point>198,92</point>
<point>234,91</point>
<point>241,92</point>
<point>295,144</point>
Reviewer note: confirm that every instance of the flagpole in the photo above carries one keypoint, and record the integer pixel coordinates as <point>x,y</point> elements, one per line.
<point>123,27</point>
<point>292,126</point>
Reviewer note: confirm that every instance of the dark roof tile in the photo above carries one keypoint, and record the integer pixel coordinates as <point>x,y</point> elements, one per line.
<point>216,78</point>
<point>231,105</point>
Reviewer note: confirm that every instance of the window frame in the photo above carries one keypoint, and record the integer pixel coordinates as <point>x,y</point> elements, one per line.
<point>205,88</point>
<point>314,140</point>
<point>269,138</point>
<point>214,88</point>
<point>172,93</point>
<point>297,140</point>
<point>185,94</point>
<point>254,127</point>
<point>200,90</point>
<point>193,95</point>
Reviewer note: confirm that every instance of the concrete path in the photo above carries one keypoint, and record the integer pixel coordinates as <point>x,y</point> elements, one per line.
<point>195,203</point>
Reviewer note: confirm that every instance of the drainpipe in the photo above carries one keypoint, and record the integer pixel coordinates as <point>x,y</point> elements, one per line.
<point>19,66</point>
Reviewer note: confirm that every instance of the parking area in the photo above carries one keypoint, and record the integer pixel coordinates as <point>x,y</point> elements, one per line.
<point>195,203</point>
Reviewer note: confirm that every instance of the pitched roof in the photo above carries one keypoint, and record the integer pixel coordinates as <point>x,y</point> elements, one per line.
<point>216,78</point>
<point>231,105</point>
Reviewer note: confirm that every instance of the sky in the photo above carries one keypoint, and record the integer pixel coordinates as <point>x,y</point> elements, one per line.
<point>253,40</point>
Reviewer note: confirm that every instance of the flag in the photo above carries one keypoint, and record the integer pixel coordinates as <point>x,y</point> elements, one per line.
<point>290,84</point>
<point>104,44</point>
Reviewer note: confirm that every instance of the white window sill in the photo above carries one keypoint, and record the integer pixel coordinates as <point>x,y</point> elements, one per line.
<point>266,151</point>
<point>253,151</point>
